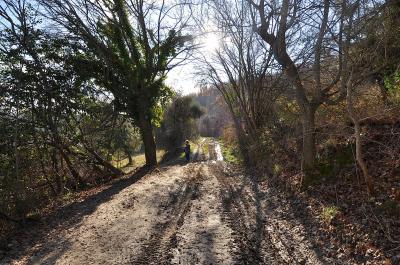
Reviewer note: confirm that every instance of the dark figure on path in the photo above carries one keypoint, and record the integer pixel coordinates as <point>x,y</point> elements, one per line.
<point>187,151</point>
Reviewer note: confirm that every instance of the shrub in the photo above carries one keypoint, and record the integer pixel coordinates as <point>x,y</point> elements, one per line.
<point>329,213</point>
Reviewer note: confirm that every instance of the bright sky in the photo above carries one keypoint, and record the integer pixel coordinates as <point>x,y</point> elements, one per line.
<point>183,78</point>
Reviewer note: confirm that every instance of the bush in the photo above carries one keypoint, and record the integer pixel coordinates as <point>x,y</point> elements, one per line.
<point>231,152</point>
<point>329,213</point>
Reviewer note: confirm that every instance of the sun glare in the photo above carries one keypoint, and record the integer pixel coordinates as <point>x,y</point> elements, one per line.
<point>211,42</point>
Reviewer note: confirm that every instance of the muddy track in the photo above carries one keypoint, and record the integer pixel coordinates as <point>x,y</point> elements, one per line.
<point>199,155</point>
<point>238,210</point>
<point>158,248</point>
<point>191,213</point>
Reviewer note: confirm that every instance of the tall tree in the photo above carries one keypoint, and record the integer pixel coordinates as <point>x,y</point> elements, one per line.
<point>41,98</point>
<point>33,76</point>
<point>135,43</point>
<point>310,40</point>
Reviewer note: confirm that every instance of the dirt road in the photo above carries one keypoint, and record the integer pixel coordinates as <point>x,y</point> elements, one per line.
<point>196,213</point>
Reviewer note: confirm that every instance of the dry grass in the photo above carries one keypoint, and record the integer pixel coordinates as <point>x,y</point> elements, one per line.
<point>139,160</point>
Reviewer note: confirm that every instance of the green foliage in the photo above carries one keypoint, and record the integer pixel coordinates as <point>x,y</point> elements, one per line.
<point>125,54</point>
<point>179,122</point>
<point>392,84</point>
<point>57,127</point>
<point>117,135</point>
<point>383,47</point>
<point>231,153</point>
<point>159,108</point>
<point>329,213</point>
<point>329,164</point>
<point>136,65</point>
<point>332,161</point>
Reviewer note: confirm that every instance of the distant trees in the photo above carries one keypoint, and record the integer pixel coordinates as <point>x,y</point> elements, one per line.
<point>133,44</point>
<point>244,72</point>
<point>217,115</point>
<point>179,122</point>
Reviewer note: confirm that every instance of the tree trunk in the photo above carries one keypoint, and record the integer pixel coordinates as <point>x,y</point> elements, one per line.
<point>357,134</point>
<point>360,158</point>
<point>308,159</point>
<point>241,140</point>
<point>104,163</point>
<point>56,168</point>
<point>79,181</point>
<point>129,155</point>
<point>146,131</point>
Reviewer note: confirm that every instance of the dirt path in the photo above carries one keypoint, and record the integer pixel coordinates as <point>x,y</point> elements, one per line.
<point>198,213</point>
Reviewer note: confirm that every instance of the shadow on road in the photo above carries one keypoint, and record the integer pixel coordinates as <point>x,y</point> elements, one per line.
<point>249,209</point>
<point>65,218</point>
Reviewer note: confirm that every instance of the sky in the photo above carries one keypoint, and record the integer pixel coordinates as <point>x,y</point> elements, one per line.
<point>183,78</point>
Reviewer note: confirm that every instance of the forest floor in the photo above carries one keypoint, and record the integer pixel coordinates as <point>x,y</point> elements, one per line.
<point>202,212</point>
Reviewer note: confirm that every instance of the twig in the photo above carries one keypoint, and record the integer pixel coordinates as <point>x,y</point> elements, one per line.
<point>385,231</point>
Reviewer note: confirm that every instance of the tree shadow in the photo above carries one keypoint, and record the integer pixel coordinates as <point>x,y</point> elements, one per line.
<point>257,244</point>
<point>33,234</point>
<point>294,211</point>
<point>339,243</point>
<point>174,158</point>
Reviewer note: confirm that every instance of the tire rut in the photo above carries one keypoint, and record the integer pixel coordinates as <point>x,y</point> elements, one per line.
<point>157,249</point>
<point>248,236</point>
<point>199,155</point>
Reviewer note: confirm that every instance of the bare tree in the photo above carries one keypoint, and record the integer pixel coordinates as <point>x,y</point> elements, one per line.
<point>310,40</point>
<point>358,133</point>
<point>243,70</point>
<point>368,71</point>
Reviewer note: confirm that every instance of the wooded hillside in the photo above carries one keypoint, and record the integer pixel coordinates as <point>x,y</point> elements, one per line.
<point>301,96</point>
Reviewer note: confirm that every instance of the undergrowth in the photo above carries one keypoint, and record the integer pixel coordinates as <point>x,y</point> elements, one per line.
<point>329,213</point>
<point>231,153</point>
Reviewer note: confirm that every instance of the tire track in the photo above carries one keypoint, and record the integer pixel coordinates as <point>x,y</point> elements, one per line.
<point>248,235</point>
<point>199,154</point>
<point>157,249</point>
